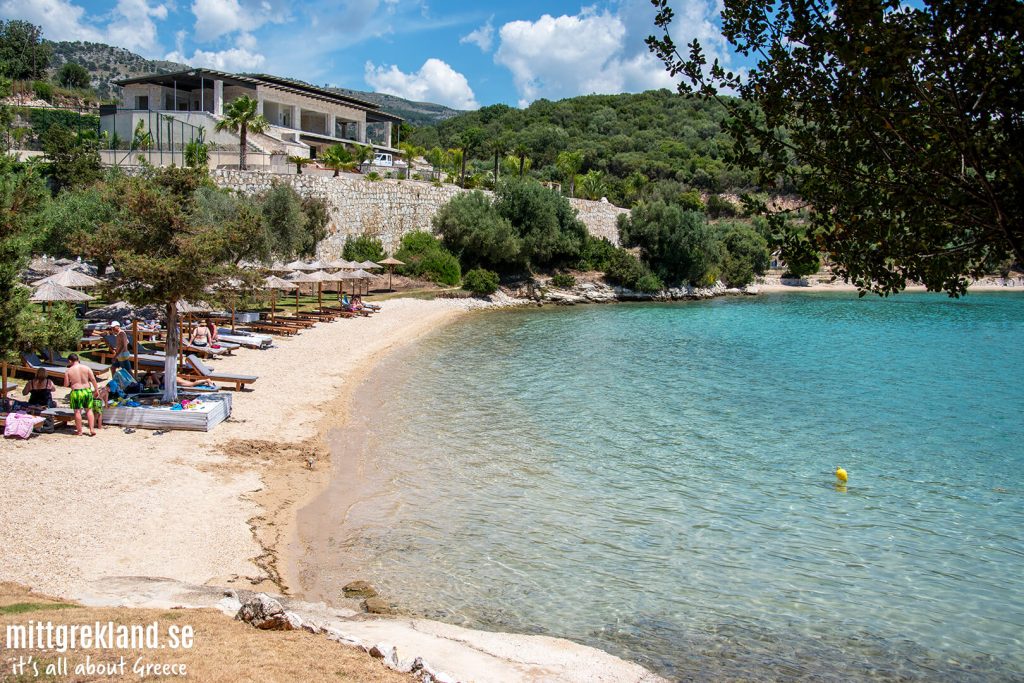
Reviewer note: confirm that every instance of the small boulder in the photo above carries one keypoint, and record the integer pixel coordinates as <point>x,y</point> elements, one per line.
<point>387,653</point>
<point>265,613</point>
<point>378,606</point>
<point>359,589</point>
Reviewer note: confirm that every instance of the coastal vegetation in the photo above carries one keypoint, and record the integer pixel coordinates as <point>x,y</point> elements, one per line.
<point>363,248</point>
<point>425,257</point>
<point>891,121</point>
<point>624,147</point>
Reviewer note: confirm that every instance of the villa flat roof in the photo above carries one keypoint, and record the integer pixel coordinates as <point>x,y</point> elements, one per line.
<point>190,79</point>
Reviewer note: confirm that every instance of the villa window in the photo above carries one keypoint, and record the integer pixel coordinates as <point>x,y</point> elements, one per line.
<point>142,102</point>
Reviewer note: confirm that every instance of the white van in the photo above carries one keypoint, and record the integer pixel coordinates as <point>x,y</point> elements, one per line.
<point>383,159</point>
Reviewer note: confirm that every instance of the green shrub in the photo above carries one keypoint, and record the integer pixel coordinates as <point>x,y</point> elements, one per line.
<point>564,281</point>
<point>43,90</point>
<point>470,226</point>
<point>481,281</point>
<point>679,246</point>
<point>649,283</point>
<point>719,207</point>
<point>73,75</point>
<point>596,254</point>
<point>745,255</point>
<point>373,176</point>
<point>545,221</point>
<point>363,248</point>
<point>426,257</point>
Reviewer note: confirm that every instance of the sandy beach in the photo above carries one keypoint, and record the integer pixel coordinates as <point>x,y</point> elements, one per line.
<point>201,508</point>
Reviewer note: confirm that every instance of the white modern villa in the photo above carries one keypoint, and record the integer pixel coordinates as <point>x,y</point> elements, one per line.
<point>177,108</point>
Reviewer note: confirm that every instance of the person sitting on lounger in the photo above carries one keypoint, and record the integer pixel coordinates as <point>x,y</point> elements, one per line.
<point>154,381</point>
<point>40,391</point>
<point>200,337</point>
<point>214,332</point>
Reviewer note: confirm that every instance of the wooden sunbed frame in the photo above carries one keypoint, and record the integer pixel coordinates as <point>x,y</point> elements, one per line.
<point>224,378</point>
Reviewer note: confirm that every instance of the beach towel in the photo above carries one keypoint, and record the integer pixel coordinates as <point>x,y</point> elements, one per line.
<point>19,425</point>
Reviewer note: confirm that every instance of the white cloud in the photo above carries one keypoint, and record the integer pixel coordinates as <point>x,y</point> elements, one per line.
<point>482,37</point>
<point>604,52</point>
<point>59,19</point>
<point>133,27</point>
<point>215,18</point>
<point>233,59</point>
<point>434,82</point>
<point>131,23</point>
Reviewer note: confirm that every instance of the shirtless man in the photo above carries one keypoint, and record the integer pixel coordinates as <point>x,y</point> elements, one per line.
<point>82,383</point>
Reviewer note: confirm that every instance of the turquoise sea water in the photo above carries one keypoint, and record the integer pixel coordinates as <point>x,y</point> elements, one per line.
<point>655,480</point>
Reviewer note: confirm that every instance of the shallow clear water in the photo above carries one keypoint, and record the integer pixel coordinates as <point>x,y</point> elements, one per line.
<point>655,480</point>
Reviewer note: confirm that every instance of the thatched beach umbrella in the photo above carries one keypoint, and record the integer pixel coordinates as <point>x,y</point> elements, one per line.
<point>369,265</point>
<point>299,265</point>
<point>49,292</point>
<point>363,275</point>
<point>320,277</point>
<point>316,265</point>
<point>300,278</point>
<point>342,277</point>
<point>69,278</point>
<point>391,262</point>
<point>274,283</point>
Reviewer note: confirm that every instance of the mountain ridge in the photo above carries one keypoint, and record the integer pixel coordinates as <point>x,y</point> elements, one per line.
<point>107,63</point>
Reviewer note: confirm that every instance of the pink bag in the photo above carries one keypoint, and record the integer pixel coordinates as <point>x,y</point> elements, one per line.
<point>20,425</point>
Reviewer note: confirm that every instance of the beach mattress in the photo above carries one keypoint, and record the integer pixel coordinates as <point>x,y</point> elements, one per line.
<point>214,409</point>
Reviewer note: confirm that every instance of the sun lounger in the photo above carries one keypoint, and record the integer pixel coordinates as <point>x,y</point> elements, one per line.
<point>272,328</point>
<point>250,341</point>
<point>32,363</point>
<point>54,358</point>
<point>203,371</point>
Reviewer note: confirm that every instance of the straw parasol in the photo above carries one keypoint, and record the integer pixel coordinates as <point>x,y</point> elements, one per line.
<point>299,277</point>
<point>391,262</point>
<point>363,275</point>
<point>369,265</point>
<point>298,265</point>
<point>274,283</point>
<point>316,265</point>
<point>320,277</point>
<point>339,264</point>
<point>346,275</point>
<point>43,265</point>
<point>69,278</point>
<point>49,292</point>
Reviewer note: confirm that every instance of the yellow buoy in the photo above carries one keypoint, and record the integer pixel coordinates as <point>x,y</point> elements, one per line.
<point>841,474</point>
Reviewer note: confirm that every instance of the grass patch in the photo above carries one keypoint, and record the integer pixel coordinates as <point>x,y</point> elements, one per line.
<point>23,607</point>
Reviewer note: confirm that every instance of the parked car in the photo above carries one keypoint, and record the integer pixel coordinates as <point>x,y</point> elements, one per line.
<point>383,159</point>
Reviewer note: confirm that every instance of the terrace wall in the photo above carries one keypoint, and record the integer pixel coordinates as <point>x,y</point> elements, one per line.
<point>387,209</point>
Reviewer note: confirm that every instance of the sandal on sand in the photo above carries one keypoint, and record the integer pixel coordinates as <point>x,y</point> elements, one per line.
<point>128,430</point>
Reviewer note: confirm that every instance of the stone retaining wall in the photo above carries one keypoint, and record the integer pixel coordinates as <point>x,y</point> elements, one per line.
<point>387,209</point>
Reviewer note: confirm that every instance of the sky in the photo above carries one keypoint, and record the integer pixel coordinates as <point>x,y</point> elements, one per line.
<point>458,53</point>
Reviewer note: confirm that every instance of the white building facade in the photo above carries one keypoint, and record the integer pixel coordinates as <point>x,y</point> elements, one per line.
<point>176,108</point>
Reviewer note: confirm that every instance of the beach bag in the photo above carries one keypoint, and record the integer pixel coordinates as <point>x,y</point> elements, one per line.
<point>19,425</point>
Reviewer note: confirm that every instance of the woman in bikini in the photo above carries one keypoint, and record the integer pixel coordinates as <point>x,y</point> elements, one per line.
<point>40,391</point>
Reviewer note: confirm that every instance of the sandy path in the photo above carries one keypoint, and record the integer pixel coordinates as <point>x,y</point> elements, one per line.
<point>184,505</point>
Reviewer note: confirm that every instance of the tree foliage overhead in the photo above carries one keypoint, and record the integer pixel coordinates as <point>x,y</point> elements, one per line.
<point>894,122</point>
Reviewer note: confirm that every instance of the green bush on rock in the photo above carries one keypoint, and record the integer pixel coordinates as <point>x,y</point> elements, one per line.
<point>481,281</point>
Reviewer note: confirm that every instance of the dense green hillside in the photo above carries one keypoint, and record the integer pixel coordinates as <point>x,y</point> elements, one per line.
<point>638,142</point>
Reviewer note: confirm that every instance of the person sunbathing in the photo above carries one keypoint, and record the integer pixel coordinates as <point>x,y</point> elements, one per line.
<point>154,381</point>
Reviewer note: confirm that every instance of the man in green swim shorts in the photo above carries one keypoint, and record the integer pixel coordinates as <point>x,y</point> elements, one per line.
<point>82,382</point>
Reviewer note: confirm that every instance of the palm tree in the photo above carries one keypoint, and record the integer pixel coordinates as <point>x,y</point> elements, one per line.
<point>299,163</point>
<point>240,117</point>
<point>498,145</point>
<point>592,185</point>
<point>339,158</point>
<point>410,152</point>
<point>469,140</point>
<point>362,154</point>
<point>569,165</point>
<point>520,151</point>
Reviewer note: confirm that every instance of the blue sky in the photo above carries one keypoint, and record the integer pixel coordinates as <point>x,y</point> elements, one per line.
<point>459,53</point>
